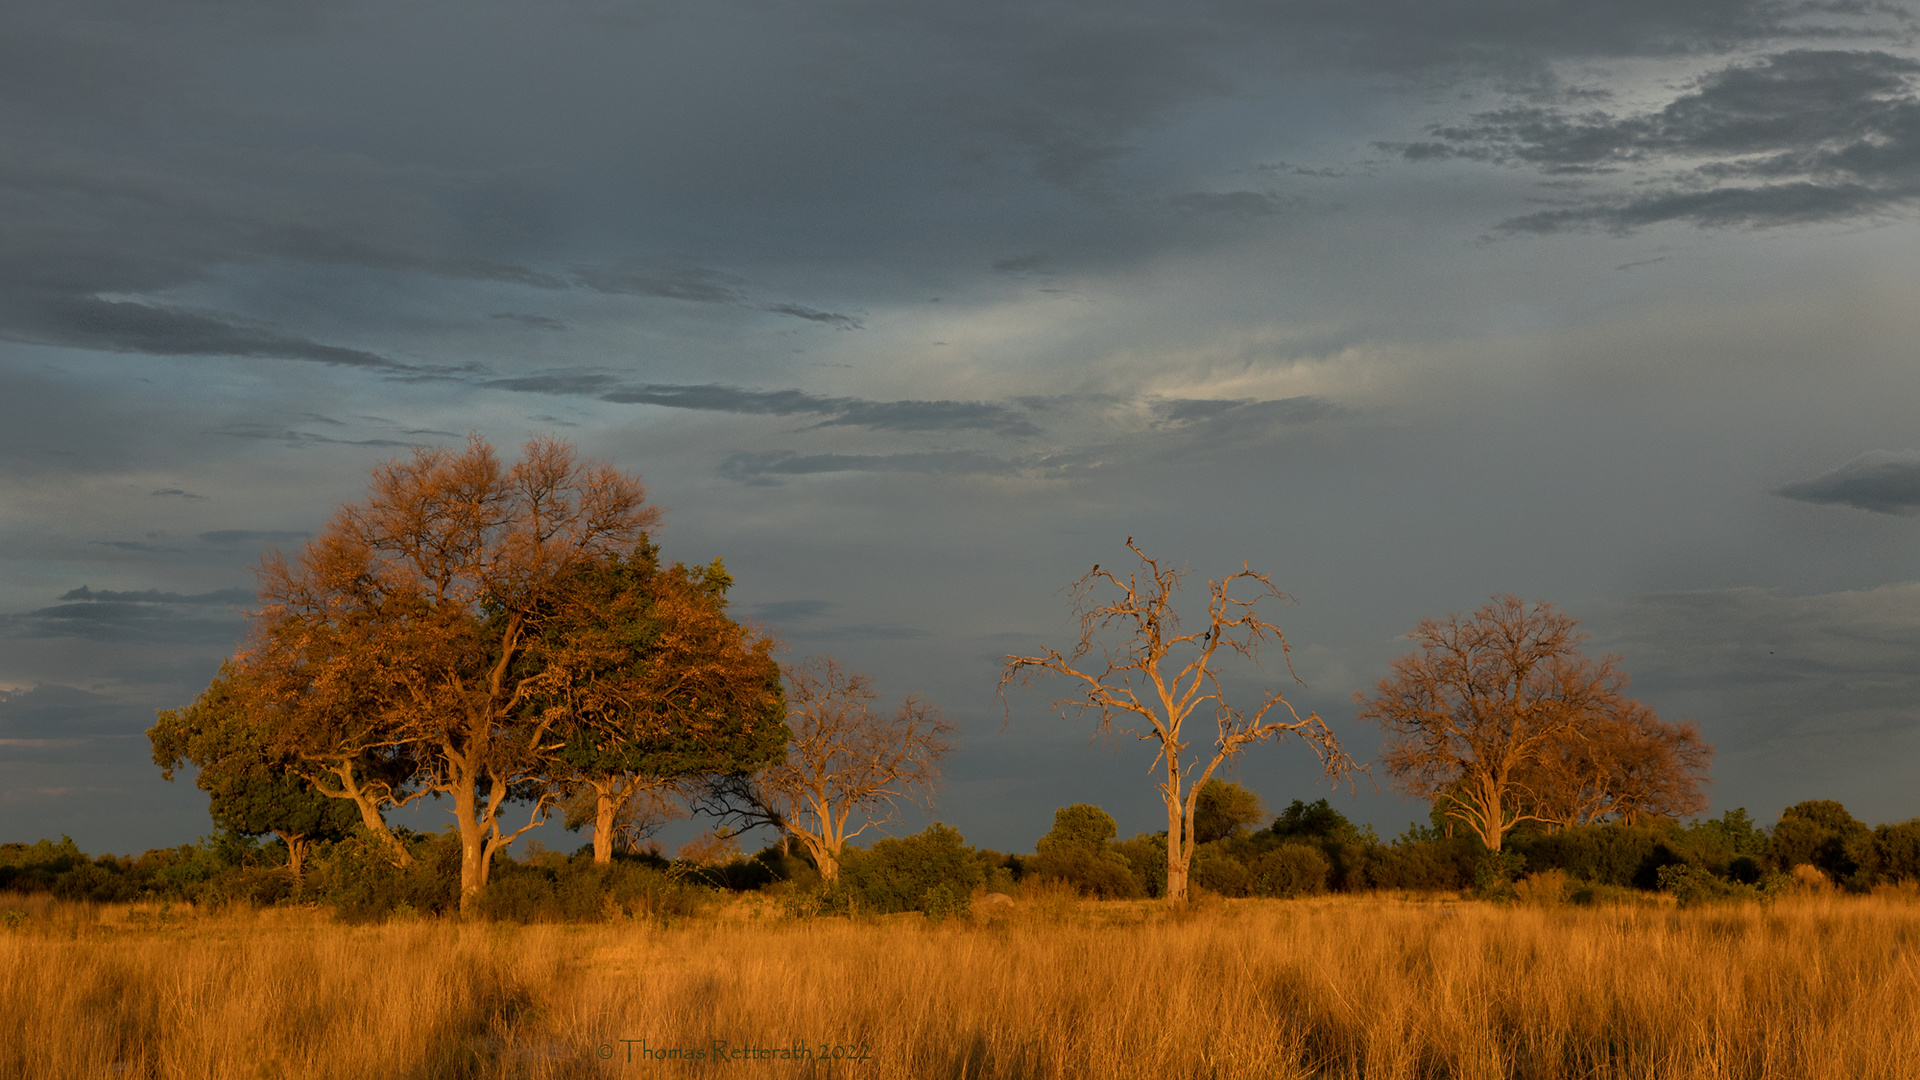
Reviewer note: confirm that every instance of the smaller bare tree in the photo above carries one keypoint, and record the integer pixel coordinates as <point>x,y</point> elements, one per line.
<point>1136,689</point>
<point>847,767</point>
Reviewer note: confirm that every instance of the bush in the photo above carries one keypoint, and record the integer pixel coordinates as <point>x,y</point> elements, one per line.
<point>902,874</point>
<point>1548,888</point>
<point>1694,885</point>
<point>1288,870</point>
<point>1079,850</point>
<point>1146,857</point>
<point>1899,851</point>
<point>1821,833</point>
<point>360,882</point>
<point>1217,872</point>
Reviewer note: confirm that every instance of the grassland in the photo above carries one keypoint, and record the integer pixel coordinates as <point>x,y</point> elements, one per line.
<point>1804,988</point>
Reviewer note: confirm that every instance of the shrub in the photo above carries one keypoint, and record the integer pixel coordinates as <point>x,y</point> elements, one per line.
<point>1899,851</point>
<point>1288,870</point>
<point>900,874</point>
<point>1217,872</point>
<point>1693,885</point>
<point>1079,850</point>
<point>1146,857</point>
<point>1821,833</point>
<point>1548,888</point>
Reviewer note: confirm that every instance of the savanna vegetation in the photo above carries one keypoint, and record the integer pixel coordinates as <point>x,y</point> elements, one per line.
<point>507,640</point>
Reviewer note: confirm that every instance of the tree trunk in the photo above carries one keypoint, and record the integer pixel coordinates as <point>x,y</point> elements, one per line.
<point>1179,855</point>
<point>603,813</point>
<point>297,844</point>
<point>473,842</point>
<point>369,814</point>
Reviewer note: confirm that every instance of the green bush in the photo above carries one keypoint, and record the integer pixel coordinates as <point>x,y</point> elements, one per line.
<point>1146,858</point>
<point>1899,851</point>
<point>1218,872</point>
<point>900,874</point>
<point>1079,850</point>
<point>1821,833</point>
<point>1288,870</point>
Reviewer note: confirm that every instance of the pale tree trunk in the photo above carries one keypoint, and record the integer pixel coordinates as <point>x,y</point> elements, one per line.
<point>1179,849</point>
<point>369,813</point>
<point>473,842</point>
<point>605,807</point>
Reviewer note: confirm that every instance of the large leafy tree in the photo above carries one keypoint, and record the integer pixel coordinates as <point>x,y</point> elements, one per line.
<point>411,629</point>
<point>655,686</point>
<point>253,786</point>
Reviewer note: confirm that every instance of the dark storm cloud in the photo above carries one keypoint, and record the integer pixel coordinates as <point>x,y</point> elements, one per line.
<point>838,411</point>
<point>699,285</point>
<point>161,146</point>
<point>136,545</point>
<point>801,311</point>
<point>292,437</point>
<point>537,322</point>
<point>125,621</point>
<point>793,610</point>
<point>226,537</point>
<point>228,597</point>
<point>764,467</point>
<point>1799,136</point>
<point>179,493</point>
<point>1882,481</point>
<point>1179,429</point>
<point>86,322</point>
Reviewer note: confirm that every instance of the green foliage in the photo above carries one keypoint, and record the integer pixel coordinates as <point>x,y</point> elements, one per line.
<point>1146,857</point>
<point>1079,850</point>
<point>946,901</point>
<point>1493,874</point>
<point>577,889</point>
<point>907,873</point>
<point>1694,885</point>
<point>1619,855</point>
<point>1318,820</point>
<point>1821,833</point>
<point>251,786</point>
<point>361,883</point>
<point>1223,809</point>
<point>1216,871</point>
<point>1899,849</point>
<point>1287,871</point>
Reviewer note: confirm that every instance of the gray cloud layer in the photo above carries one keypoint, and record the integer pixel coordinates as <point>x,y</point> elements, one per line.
<point>1805,135</point>
<point>1884,481</point>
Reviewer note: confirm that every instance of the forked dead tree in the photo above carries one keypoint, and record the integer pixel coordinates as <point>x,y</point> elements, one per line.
<point>1136,688</point>
<point>846,768</point>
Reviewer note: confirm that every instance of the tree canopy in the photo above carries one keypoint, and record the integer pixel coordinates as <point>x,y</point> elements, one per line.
<point>1498,719</point>
<point>456,631</point>
<point>253,786</point>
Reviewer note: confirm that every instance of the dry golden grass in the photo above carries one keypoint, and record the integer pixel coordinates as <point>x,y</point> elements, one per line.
<point>1807,988</point>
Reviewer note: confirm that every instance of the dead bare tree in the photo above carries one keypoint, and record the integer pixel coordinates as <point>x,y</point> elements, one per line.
<point>1136,691</point>
<point>847,766</point>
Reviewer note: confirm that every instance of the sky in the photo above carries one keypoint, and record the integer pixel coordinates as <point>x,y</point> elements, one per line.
<point>914,311</point>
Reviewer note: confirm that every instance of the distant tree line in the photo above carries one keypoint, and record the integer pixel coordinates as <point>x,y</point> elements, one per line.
<point>1306,849</point>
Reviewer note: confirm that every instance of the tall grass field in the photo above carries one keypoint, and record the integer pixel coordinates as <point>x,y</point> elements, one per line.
<point>1803,988</point>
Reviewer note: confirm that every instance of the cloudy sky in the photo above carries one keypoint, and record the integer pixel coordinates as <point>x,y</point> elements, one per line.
<point>912,311</point>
